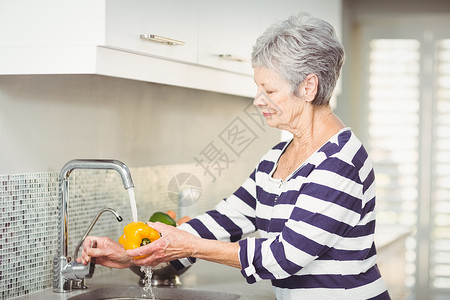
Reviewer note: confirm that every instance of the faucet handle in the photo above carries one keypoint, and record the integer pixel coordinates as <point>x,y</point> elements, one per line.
<point>80,283</point>
<point>93,261</point>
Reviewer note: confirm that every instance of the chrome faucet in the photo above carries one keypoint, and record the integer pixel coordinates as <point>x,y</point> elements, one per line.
<point>65,271</point>
<point>88,230</point>
<point>76,270</point>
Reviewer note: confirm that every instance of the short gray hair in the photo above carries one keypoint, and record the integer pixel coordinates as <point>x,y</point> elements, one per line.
<point>299,46</point>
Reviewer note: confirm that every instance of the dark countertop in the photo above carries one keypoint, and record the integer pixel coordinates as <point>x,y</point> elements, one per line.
<point>206,276</point>
<point>202,275</point>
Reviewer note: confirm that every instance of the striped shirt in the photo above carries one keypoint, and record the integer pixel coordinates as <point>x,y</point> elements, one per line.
<point>316,226</point>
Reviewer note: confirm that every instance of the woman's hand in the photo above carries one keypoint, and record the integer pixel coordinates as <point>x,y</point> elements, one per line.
<point>108,253</point>
<point>173,244</point>
<point>176,243</point>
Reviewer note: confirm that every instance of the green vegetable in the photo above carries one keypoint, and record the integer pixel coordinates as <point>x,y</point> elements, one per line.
<point>163,218</point>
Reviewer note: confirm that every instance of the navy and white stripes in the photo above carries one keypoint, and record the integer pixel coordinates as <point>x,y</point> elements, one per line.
<point>316,226</point>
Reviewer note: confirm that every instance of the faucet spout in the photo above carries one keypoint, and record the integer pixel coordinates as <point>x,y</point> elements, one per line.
<point>94,221</point>
<point>62,284</point>
<point>105,164</point>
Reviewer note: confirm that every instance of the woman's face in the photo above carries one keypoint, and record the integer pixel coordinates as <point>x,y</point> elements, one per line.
<point>279,106</point>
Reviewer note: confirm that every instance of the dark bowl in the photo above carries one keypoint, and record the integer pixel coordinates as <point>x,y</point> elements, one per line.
<point>162,275</point>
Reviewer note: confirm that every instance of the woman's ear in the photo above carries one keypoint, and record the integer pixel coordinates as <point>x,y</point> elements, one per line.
<point>308,88</point>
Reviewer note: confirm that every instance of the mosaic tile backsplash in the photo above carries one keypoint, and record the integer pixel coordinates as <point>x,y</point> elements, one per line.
<point>28,235</point>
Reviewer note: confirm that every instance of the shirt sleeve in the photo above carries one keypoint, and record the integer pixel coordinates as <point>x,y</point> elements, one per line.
<point>231,220</point>
<point>326,208</point>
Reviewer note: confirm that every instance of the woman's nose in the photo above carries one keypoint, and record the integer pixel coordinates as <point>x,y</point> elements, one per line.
<point>260,99</point>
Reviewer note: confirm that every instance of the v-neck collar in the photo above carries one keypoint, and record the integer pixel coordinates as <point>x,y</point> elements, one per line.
<point>332,139</point>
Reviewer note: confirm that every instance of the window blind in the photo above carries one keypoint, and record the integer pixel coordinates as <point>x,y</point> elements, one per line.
<point>393,137</point>
<point>408,99</point>
<point>440,232</point>
<point>394,127</point>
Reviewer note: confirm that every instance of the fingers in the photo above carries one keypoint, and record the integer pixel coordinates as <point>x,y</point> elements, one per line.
<point>146,261</point>
<point>151,259</point>
<point>95,252</point>
<point>158,226</point>
<point>162,228</point>
<point>88,241</point>
<point>148,255</point>
<point>157,251</point>
<point>141,251</point>
<point>86,252</point>
<point>82,260</point>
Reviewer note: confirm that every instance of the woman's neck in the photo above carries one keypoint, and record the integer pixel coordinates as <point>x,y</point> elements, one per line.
<point>314,131</point>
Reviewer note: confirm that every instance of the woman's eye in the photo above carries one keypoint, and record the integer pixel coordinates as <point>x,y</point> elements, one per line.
<point>269,92</point>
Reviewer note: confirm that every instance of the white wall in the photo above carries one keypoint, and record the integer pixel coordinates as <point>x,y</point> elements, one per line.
<point>46,120</point>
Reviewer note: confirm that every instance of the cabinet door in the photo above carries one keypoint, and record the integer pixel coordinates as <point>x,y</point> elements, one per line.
<point>128,21</point>
<point>229,29</point>
<point>48,23</point>
<point>227,32</point>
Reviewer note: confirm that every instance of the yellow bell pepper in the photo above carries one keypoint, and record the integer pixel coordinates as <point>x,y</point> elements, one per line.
<point>137,234</point>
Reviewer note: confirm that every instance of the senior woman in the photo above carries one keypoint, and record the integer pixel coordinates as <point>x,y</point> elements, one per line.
<point>311,198</point>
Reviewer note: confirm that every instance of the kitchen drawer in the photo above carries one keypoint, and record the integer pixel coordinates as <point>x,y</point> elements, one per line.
<point>128,20</point>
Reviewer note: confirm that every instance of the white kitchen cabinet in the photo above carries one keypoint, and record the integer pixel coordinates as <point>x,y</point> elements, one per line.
<point>46,23</point>
<point>111,23</point>
<point>167,29</point>
<point>50,36</point>
<point>104,37</point>
<point>227,32</point>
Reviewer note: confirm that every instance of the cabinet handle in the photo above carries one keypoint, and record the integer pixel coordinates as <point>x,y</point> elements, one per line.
<point>161,39</point>
<point>231,57</point>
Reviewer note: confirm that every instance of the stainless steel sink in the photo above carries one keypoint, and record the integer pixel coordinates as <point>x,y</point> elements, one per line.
<point>167,293</point>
